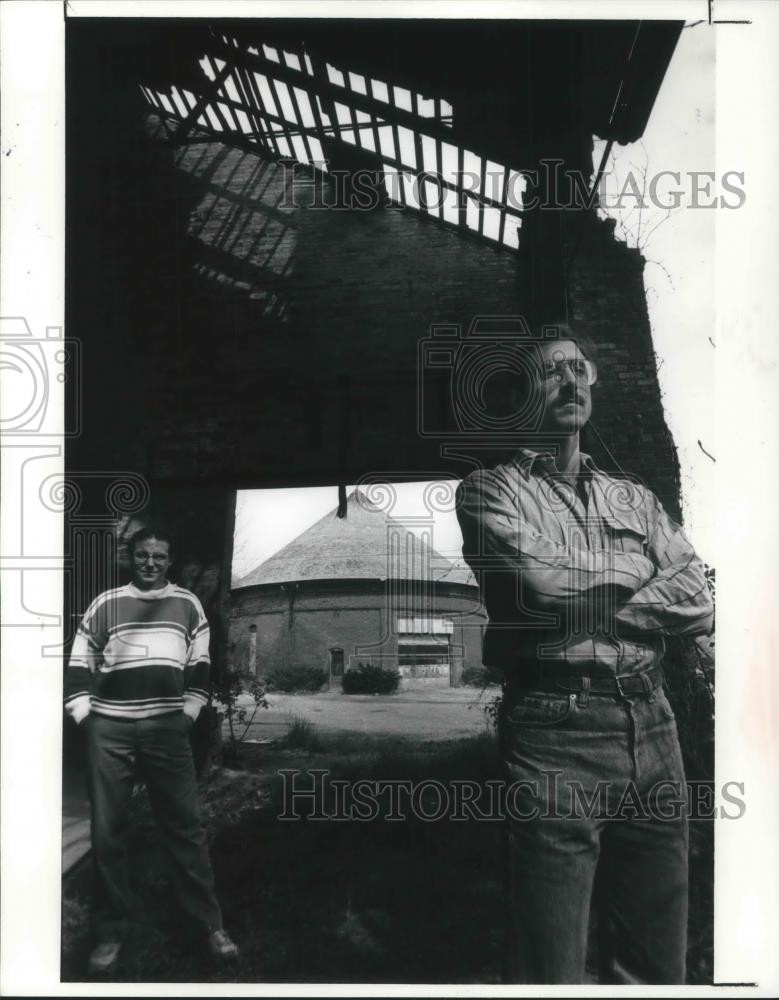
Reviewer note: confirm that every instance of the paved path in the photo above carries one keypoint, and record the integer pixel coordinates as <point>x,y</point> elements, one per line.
<point>438,714</point>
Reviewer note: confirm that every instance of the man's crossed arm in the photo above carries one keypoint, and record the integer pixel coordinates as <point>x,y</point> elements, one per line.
<point>677,600</point>
<point>663,591</point>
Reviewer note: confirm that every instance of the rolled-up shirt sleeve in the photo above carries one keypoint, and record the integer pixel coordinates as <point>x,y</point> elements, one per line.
<point>677,600</point>
<point>552,576</point>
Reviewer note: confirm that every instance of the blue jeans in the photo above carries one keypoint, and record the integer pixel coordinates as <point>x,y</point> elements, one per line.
<point>158,750</point>
<point>596,788</point>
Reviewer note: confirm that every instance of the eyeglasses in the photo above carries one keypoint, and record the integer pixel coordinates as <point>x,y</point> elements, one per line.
<point>582,369</point>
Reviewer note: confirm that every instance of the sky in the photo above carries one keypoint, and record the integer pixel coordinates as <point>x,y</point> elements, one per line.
<point>679,275</point>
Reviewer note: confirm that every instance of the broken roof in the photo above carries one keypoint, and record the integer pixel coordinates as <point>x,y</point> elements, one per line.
<point>366,544</point>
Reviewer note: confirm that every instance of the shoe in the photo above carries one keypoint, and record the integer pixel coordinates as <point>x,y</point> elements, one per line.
<point>221,946</point>
<point>103,958</point>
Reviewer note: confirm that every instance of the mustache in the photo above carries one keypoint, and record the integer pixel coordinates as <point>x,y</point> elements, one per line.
<point>571,395</point>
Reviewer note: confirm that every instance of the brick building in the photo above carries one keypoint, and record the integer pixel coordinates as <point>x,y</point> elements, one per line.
<point>360,588</point>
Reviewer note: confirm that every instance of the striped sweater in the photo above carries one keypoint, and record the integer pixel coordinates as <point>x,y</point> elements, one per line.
<point>139,653</point>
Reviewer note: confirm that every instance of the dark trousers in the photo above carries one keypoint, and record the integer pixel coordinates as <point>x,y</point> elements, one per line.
<point>157,750</point>
<point>596,806</point>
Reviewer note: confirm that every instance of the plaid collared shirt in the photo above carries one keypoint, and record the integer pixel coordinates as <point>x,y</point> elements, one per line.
<point>587,577</point>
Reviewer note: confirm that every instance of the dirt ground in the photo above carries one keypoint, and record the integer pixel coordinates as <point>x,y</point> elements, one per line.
<point>341,902</point>
<point>432,715</point>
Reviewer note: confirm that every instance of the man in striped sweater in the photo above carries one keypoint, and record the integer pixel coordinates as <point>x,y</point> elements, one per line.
<point>137,679</point>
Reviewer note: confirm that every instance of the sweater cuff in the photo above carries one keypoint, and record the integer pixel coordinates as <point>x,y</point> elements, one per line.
<point>192,706</point>
<point>79,708</point>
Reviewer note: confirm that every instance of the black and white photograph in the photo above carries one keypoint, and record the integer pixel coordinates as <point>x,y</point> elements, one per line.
<point>364,503</point>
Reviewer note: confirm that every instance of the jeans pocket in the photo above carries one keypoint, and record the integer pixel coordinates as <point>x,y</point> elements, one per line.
<point>538,711</point>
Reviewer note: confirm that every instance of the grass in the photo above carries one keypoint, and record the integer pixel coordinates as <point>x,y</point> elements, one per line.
<point>301,734</point>
<point>311,901</point>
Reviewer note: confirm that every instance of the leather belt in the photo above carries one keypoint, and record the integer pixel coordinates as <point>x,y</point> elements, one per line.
<point>625,684</point>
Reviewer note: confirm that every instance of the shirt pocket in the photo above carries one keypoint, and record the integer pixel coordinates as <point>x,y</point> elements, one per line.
<point>621,538</point>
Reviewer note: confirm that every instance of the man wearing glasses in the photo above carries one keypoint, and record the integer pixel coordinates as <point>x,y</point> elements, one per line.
<point>137,679</point>
<point>583,576</point>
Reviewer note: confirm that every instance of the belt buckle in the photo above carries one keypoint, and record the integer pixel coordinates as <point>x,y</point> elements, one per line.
<point>643,677</point>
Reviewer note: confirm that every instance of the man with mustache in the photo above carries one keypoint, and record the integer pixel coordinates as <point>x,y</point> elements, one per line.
<point>584,576</point>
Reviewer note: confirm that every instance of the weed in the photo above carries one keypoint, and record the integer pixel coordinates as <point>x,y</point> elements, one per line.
<point>301,734</point>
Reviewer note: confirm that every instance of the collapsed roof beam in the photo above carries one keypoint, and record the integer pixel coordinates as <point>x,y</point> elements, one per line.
<point>333,92</point>
<point>209,95</point>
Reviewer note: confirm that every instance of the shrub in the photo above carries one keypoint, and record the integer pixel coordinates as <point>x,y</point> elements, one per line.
<point>301,734</point>
<point>369,679</point>
<point>480,676</point>
<point>229,686</point>
<point>296,677</point>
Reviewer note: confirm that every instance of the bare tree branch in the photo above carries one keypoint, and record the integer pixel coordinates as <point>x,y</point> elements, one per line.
<point>706,453</point>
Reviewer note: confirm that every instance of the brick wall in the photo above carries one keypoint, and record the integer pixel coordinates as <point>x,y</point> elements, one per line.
<point>608,299</point>
<point>355,618</point>
<point>299,328</point>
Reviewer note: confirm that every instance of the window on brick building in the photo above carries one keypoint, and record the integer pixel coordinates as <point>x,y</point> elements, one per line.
<point>424,647</point>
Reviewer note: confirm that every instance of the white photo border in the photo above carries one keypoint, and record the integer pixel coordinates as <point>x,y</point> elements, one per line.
<point>747,254</point>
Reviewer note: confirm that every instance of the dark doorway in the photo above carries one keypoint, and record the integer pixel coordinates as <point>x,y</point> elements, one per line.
<point>336,665</point>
